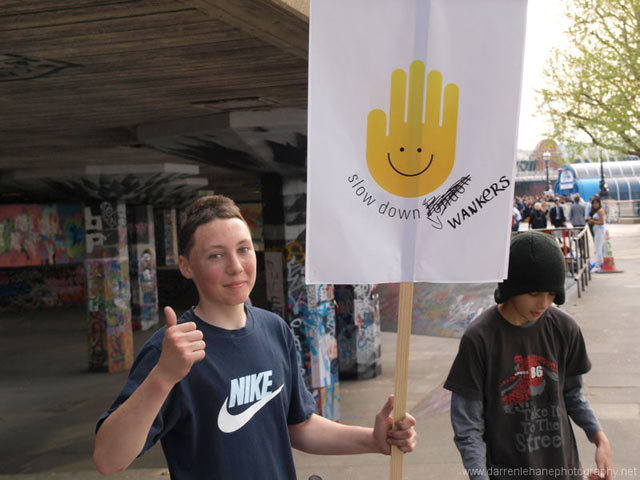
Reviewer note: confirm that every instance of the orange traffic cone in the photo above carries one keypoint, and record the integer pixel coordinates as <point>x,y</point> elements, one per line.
<point>608,263</point>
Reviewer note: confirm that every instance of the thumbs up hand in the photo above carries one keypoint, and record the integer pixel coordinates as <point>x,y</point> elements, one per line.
<point>182,346</point>
<point>403,436</point>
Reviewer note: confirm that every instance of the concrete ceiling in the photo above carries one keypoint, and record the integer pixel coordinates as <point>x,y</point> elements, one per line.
<point>135,82</point>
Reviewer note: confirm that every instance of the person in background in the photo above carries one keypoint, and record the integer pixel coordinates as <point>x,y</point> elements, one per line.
<point>538,218</point>
<point>577,212</point>
<point>528,208</point>
<point>556,214</point>
<point>588,210</point>
<point>521,206</point>
<point>597,220</point>
<point>516,218</point>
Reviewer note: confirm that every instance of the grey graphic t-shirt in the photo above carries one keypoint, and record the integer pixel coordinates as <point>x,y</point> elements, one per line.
<point>519,375</point>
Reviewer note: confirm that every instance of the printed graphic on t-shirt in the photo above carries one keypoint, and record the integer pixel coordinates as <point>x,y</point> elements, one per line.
<point>529,380</point>
<point>243,391</point>
<point>523,395</point>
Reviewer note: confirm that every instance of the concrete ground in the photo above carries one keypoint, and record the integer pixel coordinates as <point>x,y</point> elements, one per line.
<point>49,402</point>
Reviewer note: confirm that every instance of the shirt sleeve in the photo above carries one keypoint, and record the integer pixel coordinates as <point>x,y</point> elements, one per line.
<point>577,362</point>
<point>578,406</point>
<point>301,405</point>
<point>467,372</point>
<point>169,412</point>
<point>467,420</point>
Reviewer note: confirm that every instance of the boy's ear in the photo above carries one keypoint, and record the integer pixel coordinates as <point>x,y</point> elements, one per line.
<point>183,264</point>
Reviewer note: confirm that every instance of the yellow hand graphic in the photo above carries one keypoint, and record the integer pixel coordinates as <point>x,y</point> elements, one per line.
<point>415,158</point>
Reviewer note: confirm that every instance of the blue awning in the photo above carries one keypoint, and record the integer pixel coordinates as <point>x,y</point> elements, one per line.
<point>623,179</point>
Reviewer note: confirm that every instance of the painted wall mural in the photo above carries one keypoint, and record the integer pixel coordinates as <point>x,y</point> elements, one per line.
<point>347,347</point>
<point>358,314</point>
<point>323,349</point>
<point>366,313</point>
<point>310,308</point>
<point>45,287</point>
<point>142,260</point>
<point>439,309</point>
<point>108,287</point>
<point>32,235</point>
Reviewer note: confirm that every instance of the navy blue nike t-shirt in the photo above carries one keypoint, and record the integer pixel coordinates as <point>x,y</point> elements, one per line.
<point>228,417</point>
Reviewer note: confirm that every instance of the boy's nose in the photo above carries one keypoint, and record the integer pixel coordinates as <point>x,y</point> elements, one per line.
<point>545,301</point>
<point>234,265</point>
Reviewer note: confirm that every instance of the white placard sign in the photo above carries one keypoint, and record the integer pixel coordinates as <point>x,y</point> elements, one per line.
<point>413,114</point>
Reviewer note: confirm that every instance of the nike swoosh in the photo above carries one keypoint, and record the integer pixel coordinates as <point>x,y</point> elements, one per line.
<point>230,423</point>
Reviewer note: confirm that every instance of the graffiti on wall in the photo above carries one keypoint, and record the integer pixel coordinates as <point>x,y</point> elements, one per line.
<point>297,310</point>
<point>33,288</point>
<point>33,235</point>
<point>439,309</point>
<point>108,287</point>
<point>366,315</point>
<point>358,331</point>
<point>108,294</point>
<point>346,332</point>
<point>142,258</point>
<point>105,230</point>
<point>144,296</point>
<point>310,309</point>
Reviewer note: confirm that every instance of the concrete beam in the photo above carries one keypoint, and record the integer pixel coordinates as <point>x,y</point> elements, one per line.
<point>281,23</point>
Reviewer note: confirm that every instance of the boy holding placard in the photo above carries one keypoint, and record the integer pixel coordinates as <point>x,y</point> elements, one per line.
<point>220,387</point>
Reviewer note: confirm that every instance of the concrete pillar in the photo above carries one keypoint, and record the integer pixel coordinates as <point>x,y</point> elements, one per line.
<point>358,327</point>
<point>309,309</point>
<point>166,229</point>
<point>108,289</point>
<point>273,234</point>
<point>142,256</point>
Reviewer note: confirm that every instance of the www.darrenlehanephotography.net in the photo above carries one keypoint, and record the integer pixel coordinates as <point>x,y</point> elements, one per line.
<point>535,472</point>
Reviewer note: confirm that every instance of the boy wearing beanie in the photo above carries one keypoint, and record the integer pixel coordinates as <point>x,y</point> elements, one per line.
<point>517,377</point>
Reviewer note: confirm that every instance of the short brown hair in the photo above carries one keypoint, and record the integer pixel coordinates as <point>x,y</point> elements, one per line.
<point>205,210</point>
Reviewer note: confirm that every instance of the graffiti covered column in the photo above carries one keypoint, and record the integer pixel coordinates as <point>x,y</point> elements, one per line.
<point>142,255</point>
<point>108,289</point>
<point>310,308</point>
<point>358,320</point>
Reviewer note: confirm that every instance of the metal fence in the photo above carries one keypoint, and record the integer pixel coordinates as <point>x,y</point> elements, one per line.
<point>618,210</point>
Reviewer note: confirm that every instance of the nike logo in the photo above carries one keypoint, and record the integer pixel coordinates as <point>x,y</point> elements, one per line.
<point>228,423</point>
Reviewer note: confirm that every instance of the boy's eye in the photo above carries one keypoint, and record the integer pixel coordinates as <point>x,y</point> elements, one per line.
<point>243,250</point>
<point>215,256</point>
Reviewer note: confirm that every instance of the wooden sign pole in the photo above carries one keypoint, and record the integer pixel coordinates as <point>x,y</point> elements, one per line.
<point>405,310</point>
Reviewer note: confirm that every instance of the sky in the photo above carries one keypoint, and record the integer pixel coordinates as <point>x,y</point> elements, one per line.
<point>545,26</point>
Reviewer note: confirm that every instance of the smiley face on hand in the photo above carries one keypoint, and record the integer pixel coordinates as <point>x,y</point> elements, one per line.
<point>416,157</point>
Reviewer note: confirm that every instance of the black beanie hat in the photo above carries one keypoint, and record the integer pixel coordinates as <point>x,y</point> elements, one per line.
<point>536,264</point>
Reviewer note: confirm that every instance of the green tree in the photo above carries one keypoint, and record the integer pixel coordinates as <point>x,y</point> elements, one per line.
<point>593,97</point>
